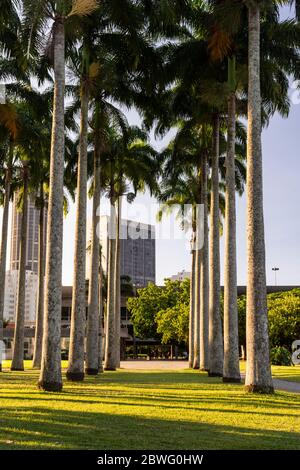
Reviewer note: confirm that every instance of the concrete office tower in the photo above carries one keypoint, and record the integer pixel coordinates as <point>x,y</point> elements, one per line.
<point>138,246</point>
<point>32,236</point>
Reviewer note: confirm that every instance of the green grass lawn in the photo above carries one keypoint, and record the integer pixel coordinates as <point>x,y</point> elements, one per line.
<point>291,374</point>
<point>144,410</point>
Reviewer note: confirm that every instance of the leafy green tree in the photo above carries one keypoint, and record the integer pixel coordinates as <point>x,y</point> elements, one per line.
<point>283,315</point>
<point>173,324</point>
<point>154,304</point>
<point>284,318</point>
<point>143,310</point>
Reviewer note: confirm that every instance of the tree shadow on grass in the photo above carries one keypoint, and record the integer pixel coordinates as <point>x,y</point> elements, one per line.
<point>43,428</point>
<point>176,403</point>
<point>35,422</point>
<point>144,387</point>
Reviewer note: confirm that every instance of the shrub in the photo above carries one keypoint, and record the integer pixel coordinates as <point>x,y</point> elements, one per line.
<point>280,356</point>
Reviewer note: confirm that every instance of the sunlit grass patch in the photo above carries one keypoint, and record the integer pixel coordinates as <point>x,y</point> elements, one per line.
<point>144,410</point>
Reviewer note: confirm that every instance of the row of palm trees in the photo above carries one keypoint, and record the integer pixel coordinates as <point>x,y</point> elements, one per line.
<point>193,65</point>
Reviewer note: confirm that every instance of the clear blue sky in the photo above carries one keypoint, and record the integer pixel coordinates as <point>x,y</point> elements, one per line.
<point>282,211</point>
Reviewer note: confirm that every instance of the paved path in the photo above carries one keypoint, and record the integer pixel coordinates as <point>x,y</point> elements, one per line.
<point>286,386</point>
<point>293,387</point>
<point>155,365</point>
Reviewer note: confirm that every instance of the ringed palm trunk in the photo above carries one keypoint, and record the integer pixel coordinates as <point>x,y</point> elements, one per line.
<point>216,350</point>
<point>101,307</point>
<point>50,377</point>
<point>118,282</point>
<point>75,370</point>
<point>258,375</point>
<point>197,285</point>
<point>38,342</point>
<point>231,372</point>
<point>3,253</point>
<point>110,343</point>
<point>18,349</point>
<point>192,310</point>
<point>93,323</point>
<point>204,277</point>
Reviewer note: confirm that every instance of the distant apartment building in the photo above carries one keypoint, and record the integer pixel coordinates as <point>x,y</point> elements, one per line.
<point>181,276</point>
<point>32,236</point>
<point>11,294</point>
<point>11,282</point>
<point>138,250</point>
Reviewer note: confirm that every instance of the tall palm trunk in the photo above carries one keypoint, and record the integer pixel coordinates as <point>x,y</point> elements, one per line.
<point>110,343</point>
<point>3,250</point>
<point>75,370</point>
<point>231,372</point>
<point>50,377</point>
<point>18,349</point>
<point>216,350</point>
<point>117,282</point>
<point>192,308</point>
<point>204,276</point>
<point>197,281</point>
<point>101,307</point>
<point>258,375</point>
<point>38,342</point>
<point>93,326</point>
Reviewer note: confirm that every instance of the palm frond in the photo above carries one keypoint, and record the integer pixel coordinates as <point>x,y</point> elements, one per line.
<point>83,7</point>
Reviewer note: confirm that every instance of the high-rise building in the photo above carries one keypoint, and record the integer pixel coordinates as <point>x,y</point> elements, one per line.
<point>32,236</point>
<point>137,250</point>
<point>32,253</point>
<point>11,294</point>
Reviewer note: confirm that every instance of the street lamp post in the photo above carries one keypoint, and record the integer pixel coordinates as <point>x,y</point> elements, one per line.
<point>275,273</point>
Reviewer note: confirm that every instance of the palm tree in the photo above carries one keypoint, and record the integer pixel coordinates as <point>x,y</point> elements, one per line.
<point>192,291</point>
<point>12,58</point>
<point>118,280</point>
<point>8,149</point>
<point>258,375</point>
<point>18,345</point>
<point>180,191</point>
<point>129,159</point>
<point>216,351</point>
<point>75,370</point>
<point>104,114</point>
<point>204,273</point>
<point>231,371</point>
<point>94,323</point>
<point>110,343</point>
<point>38,106</point>
<point>38,340</point>
<point>36,16</point>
